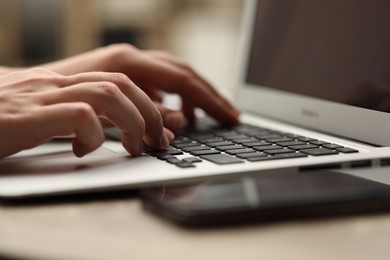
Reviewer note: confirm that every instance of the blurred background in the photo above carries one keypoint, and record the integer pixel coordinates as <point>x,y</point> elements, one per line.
<point>202,32</point>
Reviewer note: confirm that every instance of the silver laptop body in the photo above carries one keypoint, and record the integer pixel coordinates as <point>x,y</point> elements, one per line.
<point>293,77</point>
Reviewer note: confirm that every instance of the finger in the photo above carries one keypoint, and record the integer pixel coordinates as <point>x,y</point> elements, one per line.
<point>154,134</point>
<point>65,119</point>
<point>153,93</point>
<point>173,119</point>
<point>172,78</point>
<point>105,122</point>
<point>189,112</point>
<point>177,62</point>
<point>106,100</point>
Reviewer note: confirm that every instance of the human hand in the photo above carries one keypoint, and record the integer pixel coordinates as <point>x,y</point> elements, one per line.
<point>155,72</point>
<point>38,104</point>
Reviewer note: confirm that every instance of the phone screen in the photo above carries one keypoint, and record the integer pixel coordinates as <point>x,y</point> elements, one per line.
<point>268,197</point>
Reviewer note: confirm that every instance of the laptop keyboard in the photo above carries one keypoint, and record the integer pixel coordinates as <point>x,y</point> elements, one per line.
<point>241,143</point>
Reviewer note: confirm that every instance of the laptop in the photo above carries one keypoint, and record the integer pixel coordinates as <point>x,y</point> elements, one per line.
<point>313,85</point>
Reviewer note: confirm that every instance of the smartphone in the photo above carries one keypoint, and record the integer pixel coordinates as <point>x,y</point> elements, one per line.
<point>267,197</point>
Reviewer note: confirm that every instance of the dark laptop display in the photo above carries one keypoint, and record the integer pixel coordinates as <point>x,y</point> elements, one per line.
<point>333,50</point>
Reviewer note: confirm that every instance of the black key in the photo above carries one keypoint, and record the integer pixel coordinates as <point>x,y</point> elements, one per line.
<point>200,137</point>
<point>227,134</point>
<point>247,155</point>
<point>238,151</point>
<point>260,158</point>
<point>214,144</point>
<point>259,143</point>
<point>259,132</point>
<point>319,151</point>
<point>279,139</point>
<point>290,143</point>
<point>211,140</point>
<point>267,136</point>
<point>267,147</point>
<point>290,155</point>
<point>180,140</point>
<point>250,132</point>
<point>279,151</point>
<point>332,146</point>
<point>204,152</point>
<point>319,142</point>
<point>183,145</point>
<point>305,139</point>
<point>221,159</point>
<point>303,146</point>
<point>169,151</point>
<point>346,150</point>
<point>173,161</point>
<point>191,159</point>
<point>246,140</point>
<point>239,137</point>
<point>277,157</point>
<point>166,157</point>
<point>196,148</point>
<point>229,147</point>
<point>185,165</point>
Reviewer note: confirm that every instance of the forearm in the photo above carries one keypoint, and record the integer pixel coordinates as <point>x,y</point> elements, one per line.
<point>109,59</point>
<point>94,60</point>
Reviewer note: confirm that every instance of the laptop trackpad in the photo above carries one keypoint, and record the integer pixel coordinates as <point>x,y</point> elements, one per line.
<point>57,157</point>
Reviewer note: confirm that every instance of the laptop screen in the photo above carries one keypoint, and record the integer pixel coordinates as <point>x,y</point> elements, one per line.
<point>337,50</point>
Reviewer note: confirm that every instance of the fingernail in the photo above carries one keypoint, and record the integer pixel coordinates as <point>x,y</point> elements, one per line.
<point>164,142</point>
<point>231,118</point>
<point>167,137</point>
<point>141,147</point>
<point>236,114</point>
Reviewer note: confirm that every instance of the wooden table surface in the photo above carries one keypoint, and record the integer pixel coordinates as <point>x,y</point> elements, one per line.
<point>119,228</point>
